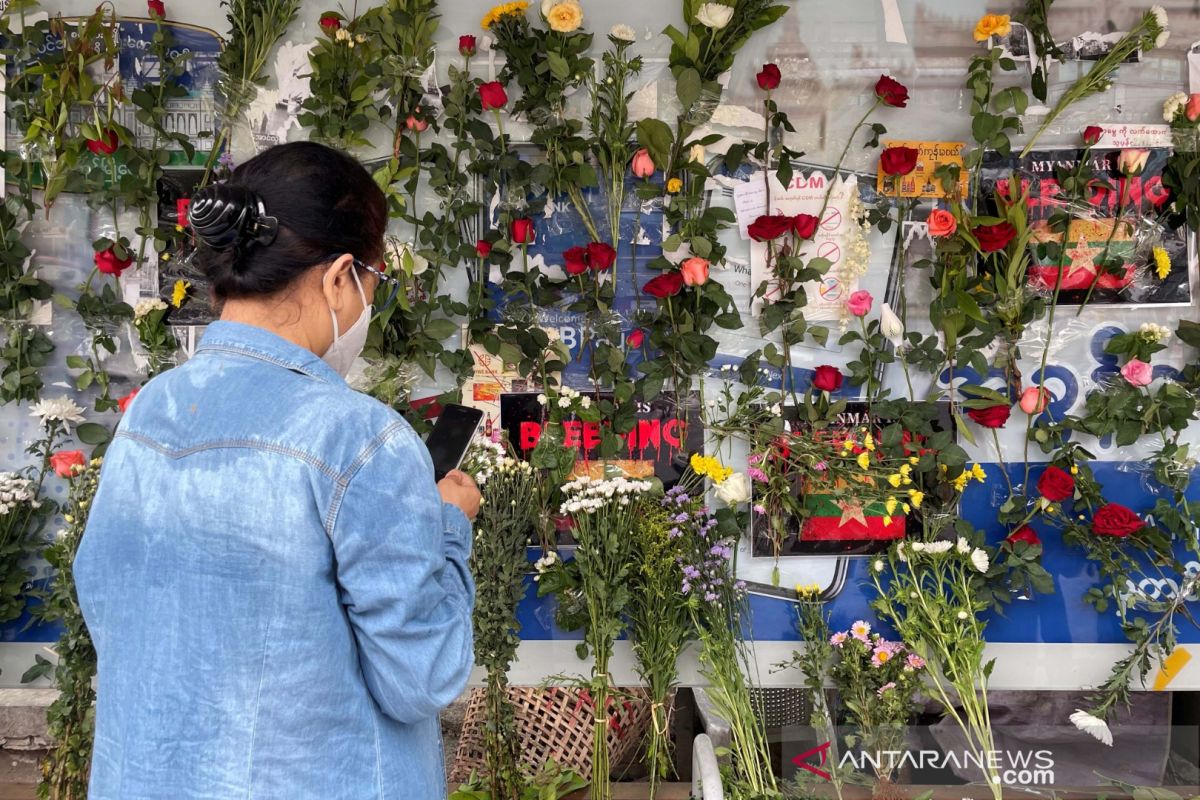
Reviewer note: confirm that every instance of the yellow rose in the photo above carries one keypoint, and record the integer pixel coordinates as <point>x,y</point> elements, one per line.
<point>674,186</point>
<point>992,25</point>
<point>566,17</point>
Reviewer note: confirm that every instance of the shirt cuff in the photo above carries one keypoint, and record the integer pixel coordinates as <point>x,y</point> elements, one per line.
<point>457,529</point>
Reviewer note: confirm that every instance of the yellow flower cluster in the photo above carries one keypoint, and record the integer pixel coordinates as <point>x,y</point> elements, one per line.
<point>710,467</point>
<point>902,477</point>
<point>809,592</point>
<point>1162,263</point>
<point>992,25</point>
<point>975,473</point>
<point>503,10</point>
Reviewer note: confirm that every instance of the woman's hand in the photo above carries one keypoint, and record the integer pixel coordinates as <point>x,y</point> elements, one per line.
<point>458,489</point>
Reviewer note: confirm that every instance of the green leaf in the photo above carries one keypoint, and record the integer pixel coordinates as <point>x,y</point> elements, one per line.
<point>1189,332</point>
<point>93,433</point>
<point>656,136</point>
<point>687,87</point>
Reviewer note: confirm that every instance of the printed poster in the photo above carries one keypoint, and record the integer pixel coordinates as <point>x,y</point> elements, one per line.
<point>923,182</point>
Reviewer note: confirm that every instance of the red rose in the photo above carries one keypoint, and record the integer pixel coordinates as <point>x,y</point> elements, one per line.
<point>106,145</point>
<point>827,378</point>
<point>575,261</point>
<point>805,225</point>
<point>330,22</point>
<point>990,417</point>
<point>668,284</point>
<point>635,338</point>
<point>994,237</point>
<point>769,77</point>
<point>521,230</point>
<point>124,402</point>
<point>64,462</point>
<point>467,45</point>
<point>108,262</point>
<point>769,228</point>
<point>156,8</point>
<point>891,92</point>
<point>600,256</point>
<point>492,95</point>
<point>1114,519</point>
<point>898,160</point>
<point>1092,134</point>
<point>1024,534</point>
<point>1056,484</point>
<point>483,248</point>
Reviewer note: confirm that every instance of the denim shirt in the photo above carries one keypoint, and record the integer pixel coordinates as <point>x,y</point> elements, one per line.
<point>279,599</point>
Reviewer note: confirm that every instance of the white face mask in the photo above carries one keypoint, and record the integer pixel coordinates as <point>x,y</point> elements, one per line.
<point>347,347</point>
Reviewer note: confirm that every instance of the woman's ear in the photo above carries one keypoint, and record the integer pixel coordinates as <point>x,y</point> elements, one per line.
<point>336,280</point>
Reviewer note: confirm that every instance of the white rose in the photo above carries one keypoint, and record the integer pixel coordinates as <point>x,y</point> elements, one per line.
<point>696,153</point>
<point>714,15</point>
<point>890,325</point>
<point>734,490</point>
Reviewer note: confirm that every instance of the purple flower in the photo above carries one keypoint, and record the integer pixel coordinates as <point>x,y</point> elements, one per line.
<point>760,509</point>
<point>674,533</point>
<point>820,466</point>
<point>711,596</point>
<point>682,517</point>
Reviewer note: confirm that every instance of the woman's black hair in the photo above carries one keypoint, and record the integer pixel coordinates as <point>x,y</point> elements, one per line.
<point>281,213</point>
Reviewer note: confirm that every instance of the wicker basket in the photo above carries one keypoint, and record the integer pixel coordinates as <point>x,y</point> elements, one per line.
<point>556,723</point>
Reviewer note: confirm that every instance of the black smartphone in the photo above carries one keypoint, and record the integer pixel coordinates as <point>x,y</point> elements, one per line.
<point>451,436</point>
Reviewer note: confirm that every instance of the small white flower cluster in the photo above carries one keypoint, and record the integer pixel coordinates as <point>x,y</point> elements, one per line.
<point>567,398</point>
<point>60,409</point>
<point>350,39</point>
<point>15,490</point>
<point>857,248</point>
<point>1173,105</point>
<point>483,458</point>
<point>145,308</point>
<point>544,563</point>
<point>978,556</point>
<point>1154,333</point>
<point>587,495</point>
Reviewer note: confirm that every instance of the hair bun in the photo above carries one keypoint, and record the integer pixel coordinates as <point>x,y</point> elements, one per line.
<point>224,216</point>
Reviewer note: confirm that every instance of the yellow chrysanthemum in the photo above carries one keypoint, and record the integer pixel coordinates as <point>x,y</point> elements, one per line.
<point>992,25</point>
<point>978,472</point>
<point>179,293</point>
<point>915,496</point>
<point>674,186</point>
<point>960,482</point>
<point>906,470</point>
<point>887,519</point>
<point>808,591</point>
<point>711,467</point>
<point>1162,263</point>
<point>895,479</point>
<point>503,10</point>
<point>890,505</point>
<point>905,508</point>
<point>565,17</point>
<point>914,460</point>
<point>864,460</point>
<point>869,442</point>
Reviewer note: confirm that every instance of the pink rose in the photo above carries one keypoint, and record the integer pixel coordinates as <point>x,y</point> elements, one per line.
<point>1137,372</point>
<point>859,303</point>
<point>1192,109</point>
<point>694,271</point>
<point>642,165</point>
<point>1034,400</point>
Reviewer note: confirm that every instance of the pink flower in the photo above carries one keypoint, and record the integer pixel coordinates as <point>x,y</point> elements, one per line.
<point>757,474</point>
<point>914,661</point>
<point>694,271</point>
<point>1137,372</point>
<point>820,466</point>
<point>859,303</point>
<point>760,509</point>
<point>862,631</point>
<point>886,687</point>
<point>1034,400</point>
<point>1192,109</point>
<point>754,458</point>
<point>838,639</point>
<point>642,165</point>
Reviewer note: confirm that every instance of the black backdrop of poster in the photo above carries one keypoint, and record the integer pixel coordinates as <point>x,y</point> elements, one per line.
<point>1088,240</point>
<point>659,446</point>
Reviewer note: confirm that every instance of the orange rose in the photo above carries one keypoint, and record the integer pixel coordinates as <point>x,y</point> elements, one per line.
<point>942,223</point>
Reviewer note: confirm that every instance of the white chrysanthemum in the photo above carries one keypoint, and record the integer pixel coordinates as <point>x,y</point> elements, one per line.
<point>918,547</point>
<point>1160,16</point>
<point>962,615</point>
<point>625,33</point>
<point>962,545</point>
<point>1173,105</point>
<point>60,409</point>
<point>1092,725</point>
<point>938,547</point>
<point>1160,41</point>
<point>878,565</point>
<point>714,15</point>
<point>979,559</point>
<point>145,308</point>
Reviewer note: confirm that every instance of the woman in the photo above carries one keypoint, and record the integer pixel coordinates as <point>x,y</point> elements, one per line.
<point>277,590</point>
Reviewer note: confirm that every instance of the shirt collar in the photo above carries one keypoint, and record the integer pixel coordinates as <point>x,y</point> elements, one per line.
<point>255,342</point>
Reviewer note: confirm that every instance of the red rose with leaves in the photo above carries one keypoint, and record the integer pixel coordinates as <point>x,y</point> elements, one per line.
<point>467,45</point>
<point>106,145</point>
<point>108,262</point>
<point>330,23</point>
<point>827,379</point>
<point>64,462</point>
<point>769,227</point>
<point>992,416</point>
<point>1092,134</point>
<point>1024,534</point>
<point>668,284</point>
<point>898,160</point>
<point>994,237</point>
<point>575,261</point>
<point>1056,484</point>
<point>600,256</point>
<point>1114,519</point>
<point>635,338</point>
<point>493,96</point>
<point>805,225</point>
<point>891,92</point>
<point>521,230</point>
<point>156,8</point>
<point>483,248</point>
<point>769,77</point>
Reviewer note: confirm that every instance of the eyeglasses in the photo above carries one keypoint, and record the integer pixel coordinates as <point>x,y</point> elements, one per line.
<point>383,278</point>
